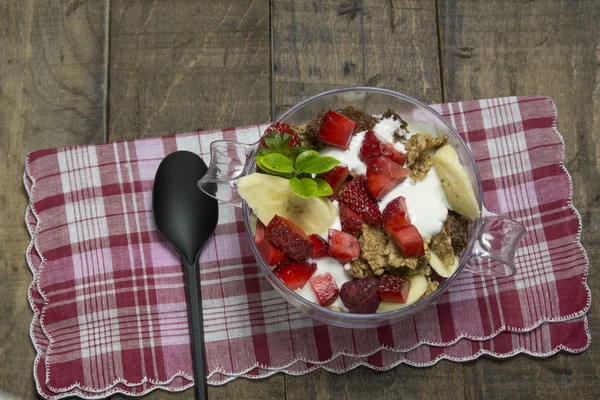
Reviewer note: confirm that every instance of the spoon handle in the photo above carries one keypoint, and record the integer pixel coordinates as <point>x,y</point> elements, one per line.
<point>194,306</point>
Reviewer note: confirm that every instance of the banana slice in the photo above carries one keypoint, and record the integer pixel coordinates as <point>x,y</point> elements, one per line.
<point>269,195</point>
<point>456,183</point>
<point>418,286</point>
<point>438,265</point>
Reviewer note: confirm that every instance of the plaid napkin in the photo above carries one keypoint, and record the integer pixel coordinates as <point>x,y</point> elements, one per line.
<point>108,296</point>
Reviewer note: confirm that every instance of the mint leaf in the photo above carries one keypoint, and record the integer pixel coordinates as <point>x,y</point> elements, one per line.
<point>263,151</point>
<point>278,142</point>
<point>305,187</point>
<point>273,140</point>
<point>305,157</point>
<point>318,165</point>
<point>261,167</point>
<point>296,151</point>
<point>277,163</point>
<point>323,188</point>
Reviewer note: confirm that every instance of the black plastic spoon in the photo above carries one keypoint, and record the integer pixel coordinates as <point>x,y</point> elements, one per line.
<point>186,217</point>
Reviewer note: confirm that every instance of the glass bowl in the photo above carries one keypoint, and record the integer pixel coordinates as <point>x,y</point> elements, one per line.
<point>493,238</point>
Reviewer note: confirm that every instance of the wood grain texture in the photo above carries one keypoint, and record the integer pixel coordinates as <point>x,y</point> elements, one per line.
<point>319,46</point>
<point>181,66</point>
<point>551,48</point>
<point>51,94</point>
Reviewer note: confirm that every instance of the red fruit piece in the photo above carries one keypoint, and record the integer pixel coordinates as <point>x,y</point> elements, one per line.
<point>374,146</point>
<point>281,127</point>
<point>383,175</point>
<point>395,214</point>
<point>343,246</point>
<point>360,295</point>
<point>409,240</point>
<point>295,274</point>
<point>320,246</point>
<point>394,289</point>
<point>325,288</point>
<point>356,196</point>
<point>289,238</point>
<point>270,254</point>
<point>351,220</point>
<point>335,177</point>
<point>336,130</point>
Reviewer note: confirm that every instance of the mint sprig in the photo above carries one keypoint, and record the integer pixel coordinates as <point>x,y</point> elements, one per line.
<point>298,164</point>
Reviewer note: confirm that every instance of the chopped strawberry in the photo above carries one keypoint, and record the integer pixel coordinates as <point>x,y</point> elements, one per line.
<point>383,175</point>
<point>336,130</point>
<point>325,288</point>
<point>270,254</point>
<point>335,177</point>
<point>374,146</point>
<point>295,274</point>
<point>343,246</point>
<point>320,246</point>
<point>409,240</point>
<point>351,220</point>
<point>393,289</point>
<point>395,214</point>
<point>281,128</point>
<point>289,238</point>
<point>356,196</point>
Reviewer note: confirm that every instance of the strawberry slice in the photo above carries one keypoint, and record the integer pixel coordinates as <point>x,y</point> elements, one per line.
<point>320,246</point>
<point>351,220</point>
<point>409,240</point>
<point>395,214</point>
<point>374,146</point>
<point>356,196</point>
<point>289,238</point>
<point>393,289</point>
<point>270,254</point>
<point>281,128</point>
<point>383,175</point>
<point>295,274</point>
<point>336,130</point>
<point>343,246</point>
<point>335,177</point>
<point>325,288</point>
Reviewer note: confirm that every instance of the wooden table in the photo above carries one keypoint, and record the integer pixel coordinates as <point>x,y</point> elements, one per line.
<point>77,71</point>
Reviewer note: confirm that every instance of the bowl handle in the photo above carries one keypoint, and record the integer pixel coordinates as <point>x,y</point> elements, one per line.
<point>497,241</point>
<point>229,161</point>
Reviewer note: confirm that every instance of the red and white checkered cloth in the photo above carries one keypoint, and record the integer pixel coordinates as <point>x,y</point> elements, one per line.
<point>108,296</point>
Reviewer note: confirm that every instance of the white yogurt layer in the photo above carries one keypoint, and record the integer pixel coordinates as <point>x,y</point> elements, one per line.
<point>349,157</point>
<point>386,128</point>
<point>425,200</point>
<point>340,275</point>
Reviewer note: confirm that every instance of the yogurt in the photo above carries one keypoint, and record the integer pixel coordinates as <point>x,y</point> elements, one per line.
<point>425,200</point>
<point>349,157</point>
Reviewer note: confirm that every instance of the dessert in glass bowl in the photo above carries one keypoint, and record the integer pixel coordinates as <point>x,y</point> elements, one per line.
<point>352,211</point>
<point>362,205</point>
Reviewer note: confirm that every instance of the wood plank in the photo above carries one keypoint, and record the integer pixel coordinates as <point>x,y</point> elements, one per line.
<point>52,75</point>
<point>550,48</point>
<point>319,46</point>
<point>181,66</point>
